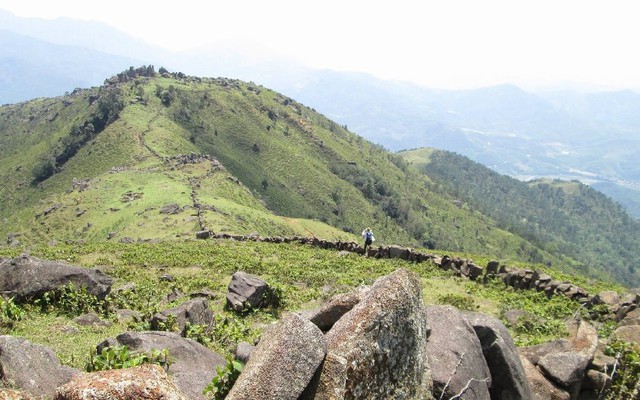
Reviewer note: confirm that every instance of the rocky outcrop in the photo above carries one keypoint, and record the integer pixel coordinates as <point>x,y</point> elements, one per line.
<point>562,367</point>
<point>377,350</point>
<point>193,365</point>
<point>27,277</point>
<point>31,368</point>
<point>283,363</point>
<point>149,382</point>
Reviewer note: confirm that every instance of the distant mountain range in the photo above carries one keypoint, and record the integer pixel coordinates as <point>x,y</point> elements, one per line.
<point>568,135</point>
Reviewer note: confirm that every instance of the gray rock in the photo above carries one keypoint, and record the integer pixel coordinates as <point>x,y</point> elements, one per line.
<point>193,312</point>
<point>566,369</point>
<point>330,312</point>
<point>455,356</point>
<point>91,319</point>
<point>243,352</point>
<point>507,374</point>
<point>27,277</point>
<point>283,363</point>
<point>32,368</point>
<point>535,353</point>
<point>377,350</point>
<point>631,318</point>
<point>246,290</point>
<point>629,333</point>
<point>541,387</point>
<point>193,367</point>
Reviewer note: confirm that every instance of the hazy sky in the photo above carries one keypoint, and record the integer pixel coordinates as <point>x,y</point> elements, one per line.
<point>445,43</point>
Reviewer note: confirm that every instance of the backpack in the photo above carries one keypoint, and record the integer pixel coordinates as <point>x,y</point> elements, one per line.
<point>368,236</point>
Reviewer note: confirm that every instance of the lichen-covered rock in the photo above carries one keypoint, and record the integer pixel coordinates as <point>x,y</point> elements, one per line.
<point>148,382</point>
<point>283,363</point>
<point>377,350</point>
<point>10,394</point>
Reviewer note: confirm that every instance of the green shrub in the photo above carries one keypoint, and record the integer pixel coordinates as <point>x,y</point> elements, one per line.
<point>72,301</point>
<point>626,371</point>
<point>119,357</point>
<point>9,312</point>
<point>222,383</point>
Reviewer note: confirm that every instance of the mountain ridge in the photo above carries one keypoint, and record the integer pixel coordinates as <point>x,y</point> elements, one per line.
<point>262,162</point>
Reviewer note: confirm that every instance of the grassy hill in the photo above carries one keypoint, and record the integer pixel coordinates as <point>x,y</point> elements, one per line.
<point>559,216</point>
<point>103,162</point>
<point>158,156</point>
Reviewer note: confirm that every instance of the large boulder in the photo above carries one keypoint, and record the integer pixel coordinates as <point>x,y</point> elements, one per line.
<point>27,277</point>
<point>149,382</point>
<point>193,367</point>
<point>455,356</point>
<point>283,363</point>
<point>509,380</point>
<point>377,350</point>
<point>31,368</point>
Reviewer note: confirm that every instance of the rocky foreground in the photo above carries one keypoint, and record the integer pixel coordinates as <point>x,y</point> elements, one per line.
<point>377,342</point>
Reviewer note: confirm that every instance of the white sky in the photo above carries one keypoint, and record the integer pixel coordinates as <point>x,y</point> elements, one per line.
<point>443,44</point>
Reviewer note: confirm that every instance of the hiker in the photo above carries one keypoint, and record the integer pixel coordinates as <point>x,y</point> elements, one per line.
<point>367,235</point>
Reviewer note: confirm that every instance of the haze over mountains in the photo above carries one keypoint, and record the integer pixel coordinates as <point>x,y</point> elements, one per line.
<point>567,135</point>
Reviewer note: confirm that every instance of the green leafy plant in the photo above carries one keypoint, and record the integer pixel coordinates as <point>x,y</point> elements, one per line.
<point>626,371</point>
<point>72,301</point>
<point>119,357</point>
<point>224,379</point>
<point>228,330</point>
<point>199,333</point>
<point>9,312</point>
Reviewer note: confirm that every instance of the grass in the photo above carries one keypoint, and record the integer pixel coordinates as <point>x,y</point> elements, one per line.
<point>306,276</point>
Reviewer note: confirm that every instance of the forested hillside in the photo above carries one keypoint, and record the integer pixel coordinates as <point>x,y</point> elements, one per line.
<point>558,216</point>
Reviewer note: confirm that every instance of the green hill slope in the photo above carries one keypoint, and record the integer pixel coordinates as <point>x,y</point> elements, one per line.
<point>102,163</point>
<point>561,217</point>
